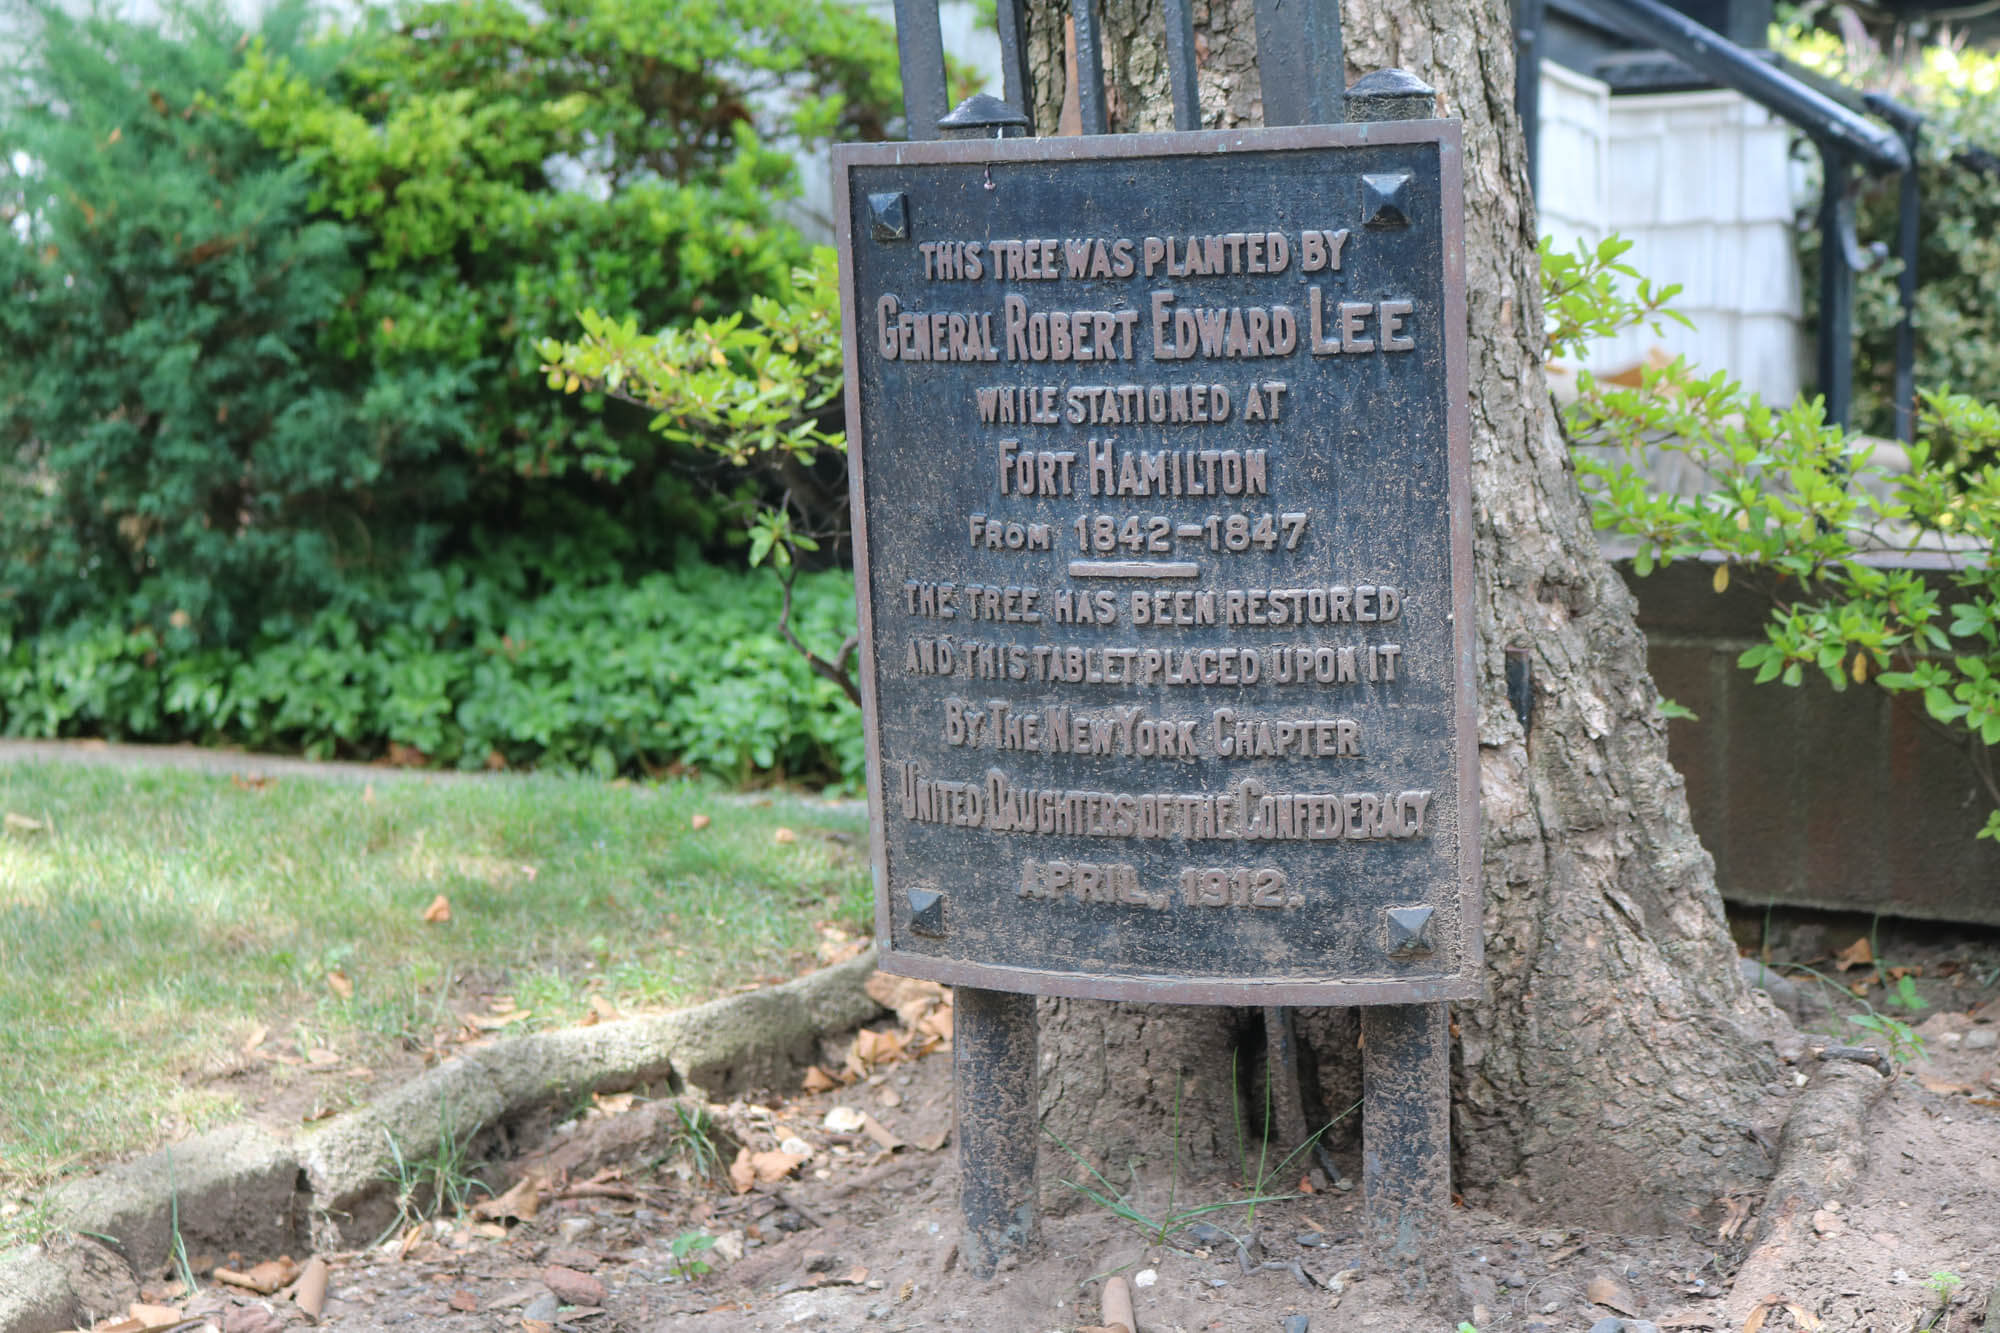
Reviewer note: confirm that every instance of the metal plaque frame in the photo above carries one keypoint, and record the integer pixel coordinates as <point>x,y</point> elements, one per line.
<point>1460,897</point>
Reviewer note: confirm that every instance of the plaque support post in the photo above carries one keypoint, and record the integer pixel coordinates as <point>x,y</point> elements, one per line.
<point>1405,1126</point>
<point>1406,1048</point>
<point>994,1066</point>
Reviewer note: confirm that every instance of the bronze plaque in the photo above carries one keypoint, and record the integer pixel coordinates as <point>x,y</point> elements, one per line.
<point>1162,543</point>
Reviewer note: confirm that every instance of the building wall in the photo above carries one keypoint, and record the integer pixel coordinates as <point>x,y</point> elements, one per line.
<point>1701,184</point>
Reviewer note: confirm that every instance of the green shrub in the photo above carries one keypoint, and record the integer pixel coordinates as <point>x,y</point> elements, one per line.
<point>618,155</point>
<point>172,444</point>
<point>480,664</point>
<point>1807,512</point>
<point>272,301</point>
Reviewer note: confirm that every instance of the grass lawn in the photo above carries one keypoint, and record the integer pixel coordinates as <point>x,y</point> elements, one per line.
<point>153,921</point>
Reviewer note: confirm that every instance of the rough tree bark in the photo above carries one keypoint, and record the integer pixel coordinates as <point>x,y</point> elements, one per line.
<point>1616,1062</point>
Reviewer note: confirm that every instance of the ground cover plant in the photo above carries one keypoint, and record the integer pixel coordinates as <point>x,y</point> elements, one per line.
<point>480,665</point>
<point>167,938</point>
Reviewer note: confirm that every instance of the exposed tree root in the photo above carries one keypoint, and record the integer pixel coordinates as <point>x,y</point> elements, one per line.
<point>1821,1155</point>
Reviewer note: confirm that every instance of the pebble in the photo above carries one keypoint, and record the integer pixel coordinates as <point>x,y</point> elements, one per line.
<point>1145,1277</point>
<point>1982,1039</point>
<point>1608,1324</point>
<point>572,1287</point>
<point>1297,1323</point>
<point>574,1229</point>
<point>1312,1240</point>
<point>250,1319</point>
<point>542,1308</point>
<point>1516,1280</point>
<point>1641,1326</point>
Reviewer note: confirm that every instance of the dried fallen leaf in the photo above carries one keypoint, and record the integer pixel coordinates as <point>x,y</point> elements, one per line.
<point>1760,1314</point>
<point>310,1295</point>
<point>263,1278</point>
<point>256,1037</point>
<point>494,1022</point>
<point>22,824</point>
<point>1611,1294</point>
<point>601,1007</point>
<point>438,912</point>
<point>1807,1321</point>
<point>698,823</point>
<point>773,1166</point>
<point>463,1301</point>
<point>1857,954</point>
<point>742,1175</point>
<point>521,1201</point>
<point>337,981</point>
<point>879,1132</point>
<point>1942,1088</point>
<point>783,834</point>
<point>1738,1209</point>
<point>818,1080</point>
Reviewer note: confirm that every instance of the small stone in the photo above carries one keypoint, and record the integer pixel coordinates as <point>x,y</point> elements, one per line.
<point>542,1308</point>
<point>1297,1323</point>
<point>583,1261</point>
<point>728,1247</point>
<point>1982,1039</point>
<point>250,1319</point>
<point>573,1288</point>
<point>1344,1185</point>
<point>1552,1307</point>
<point>1205,1234</point>
<point>844,1120</point>
<point>1516,1280</point>
<point>1312,1240</point>
<point>1608,1324</point>
<point>820,1261</point>
<point>574,1229</point>
<point>1145,1277</point>
<point>1641,1326</point>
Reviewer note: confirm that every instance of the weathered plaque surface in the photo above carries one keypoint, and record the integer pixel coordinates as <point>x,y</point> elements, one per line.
<point>1161,506</point>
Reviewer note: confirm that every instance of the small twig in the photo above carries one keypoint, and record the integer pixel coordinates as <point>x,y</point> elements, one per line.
<point>821,667</point>
<point>792,1203</point>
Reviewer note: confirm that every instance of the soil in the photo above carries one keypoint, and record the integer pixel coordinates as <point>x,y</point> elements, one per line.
<point>862,1234</point>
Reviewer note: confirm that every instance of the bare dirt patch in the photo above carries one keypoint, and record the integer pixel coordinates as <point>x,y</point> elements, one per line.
<point>860,1233</point>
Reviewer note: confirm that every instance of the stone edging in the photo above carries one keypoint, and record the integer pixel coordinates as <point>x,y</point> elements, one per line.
<point>328,1186</point>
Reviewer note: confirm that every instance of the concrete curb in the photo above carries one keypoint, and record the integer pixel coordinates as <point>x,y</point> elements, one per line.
<point>245,1189</point>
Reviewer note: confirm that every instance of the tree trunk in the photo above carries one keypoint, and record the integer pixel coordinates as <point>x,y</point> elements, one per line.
<point>1612,1070</point>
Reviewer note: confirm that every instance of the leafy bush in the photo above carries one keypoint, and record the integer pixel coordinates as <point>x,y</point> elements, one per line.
<point>479,665</point>
<point>1958,256</point>
<point>620,155</point>
<point>272,301</point>
<point>1813,516</point>
<point>172,444</point>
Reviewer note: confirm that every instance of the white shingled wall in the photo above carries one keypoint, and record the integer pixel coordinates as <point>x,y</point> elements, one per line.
<point>1701,184</point>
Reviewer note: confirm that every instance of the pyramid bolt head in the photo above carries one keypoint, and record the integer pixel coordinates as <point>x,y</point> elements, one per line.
<point>926,912</point>
<point>1385,200</point>
<point>1409,931</point>
<point>889,214</point>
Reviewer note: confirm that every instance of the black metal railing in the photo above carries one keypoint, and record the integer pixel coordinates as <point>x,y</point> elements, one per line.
<point>1846,140</point>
